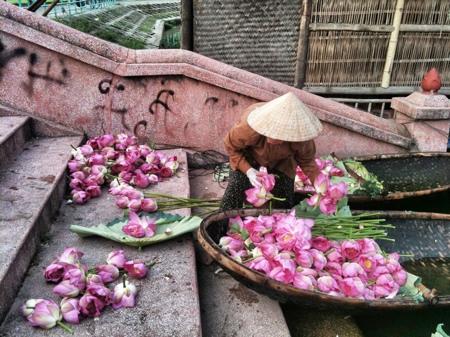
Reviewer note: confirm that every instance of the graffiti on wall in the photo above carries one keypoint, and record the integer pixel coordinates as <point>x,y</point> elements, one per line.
<point>7,56</point>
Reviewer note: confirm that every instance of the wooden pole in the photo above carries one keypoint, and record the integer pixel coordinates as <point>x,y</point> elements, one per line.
<point>390,55</point>
<point>49,9</point>
<point>302,48</point>
<point>187,24</point>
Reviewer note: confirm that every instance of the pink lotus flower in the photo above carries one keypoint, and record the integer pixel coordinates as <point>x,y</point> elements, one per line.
<point>260,264</point>
<point>327,205</point>
<point>304,258</point>
<point>70,310</point>
<point>321,184</point>
<point>335,256</point>
<point>304,282</point>
<point>78,175</point>
<point>125,176</point>
<point>166,172</point>
<point>122,202</point>
<point>28,308</point>
<point>135,205</point>
<point>321,243</point>
<point>320,261</point>
<point>231,244</point>
<point>307,272</point>
<point>97,159</point>
<point>55,271</point>
<point>267,180</point>
<point>132,154</point>
<point>70,255</point>
<point>106,141</point>
<point>269,250</point>
<point>385,286</point>
<point>107,272</point>
<point>80,197</point>
<point>144,150</point>
<point>337,191</point>
<point>146,223</point>
<point>77,277</point>
<point>93,278</point>
<point>153,179</point>
<point>46,315</point>
<point>149,205</point>
<point>257,196</point>
<point>101,292</point>
<point>352,269</point>
<point>368,246</point>
<point>327,284</point>
<point>136,269</point>
<point>314,200</point>
<point>74,165</point>
<point>116,258</point>
<point>334,268</point>
<point>368,263</point>
<point>124,295</point>
<point>282,275</point>
<point>400,277</point>
<point>140,179</point>
<point>94,191</point>
<point>76,184</point>
<point>352,287</point>
<point>91,306</point>
<point>132,194</point>
<point>66,289</point>
<point>350,249</point>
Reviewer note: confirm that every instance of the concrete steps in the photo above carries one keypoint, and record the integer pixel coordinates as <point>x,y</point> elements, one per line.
<point>168,302</point>
<point>14,132</point>
<point>31,189</point>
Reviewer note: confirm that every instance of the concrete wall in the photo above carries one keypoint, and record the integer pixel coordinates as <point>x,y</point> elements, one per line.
<point>172,97</point>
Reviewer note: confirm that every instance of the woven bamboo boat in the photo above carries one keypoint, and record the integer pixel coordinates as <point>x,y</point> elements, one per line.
<point>405,176</point>
<point>426,235</point>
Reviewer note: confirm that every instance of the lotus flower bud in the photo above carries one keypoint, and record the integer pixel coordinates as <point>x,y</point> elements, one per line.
<point>90,305</point>
<point>46,315</point>
<point>70,310</point>
<point>107,272</point>
<point>124,295</point>
<point>136,269</point>
<point>116,258</point>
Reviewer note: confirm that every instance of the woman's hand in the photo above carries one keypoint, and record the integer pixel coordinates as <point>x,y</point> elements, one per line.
<point>252,175</point>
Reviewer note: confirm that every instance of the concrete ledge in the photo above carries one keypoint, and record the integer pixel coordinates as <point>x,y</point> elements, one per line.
<point>125,62</point>
<point>14,132</point>
<point>30,193</point>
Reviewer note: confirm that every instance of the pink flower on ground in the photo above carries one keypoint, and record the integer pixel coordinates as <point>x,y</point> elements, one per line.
<point>350,249</point>
<point>140,179</point>
<point>107,272</point>
<point>153,179</point>
<point>97,159</point>
<point>101,292</point>
<point>352,287</point>
<point>327,284</point>
<point>304,282</point>
<point>93,278</point>
<point>135,205</point>
<point>122,202</point>
<point>93,191</point>
<point>70,310</point>
<point>124,295</point>
<point>86,150</point>
<point>66,289</point>
<point>321,243</point>
<point>149,205</point>
<point>70,255</point>
<point>46,315</point>
<point>166,172</point>
<point>77,277</point>
<point>76,184</point>
<point>28,308</point>
<point>55,271</point>
<point>80,197</point>
<point>136,269</point>
<point>91,306</point>
<point>74,165</point>
<point>125,176</point>
<point>106,141</point>
<point>116,258</point>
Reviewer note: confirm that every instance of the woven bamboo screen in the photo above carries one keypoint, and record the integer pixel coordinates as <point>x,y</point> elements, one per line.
<point>348,40</point>
<point>256,35</point>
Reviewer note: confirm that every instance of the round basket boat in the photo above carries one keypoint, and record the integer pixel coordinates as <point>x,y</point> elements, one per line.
<point>426,235</point>
<point>404,176</point>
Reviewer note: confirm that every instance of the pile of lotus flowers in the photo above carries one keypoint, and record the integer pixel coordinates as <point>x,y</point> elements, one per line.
<point>327,195</point>
<point>119,160</point>
<point>84,291</point>
<point>282,247</point>
<point>259,195</point>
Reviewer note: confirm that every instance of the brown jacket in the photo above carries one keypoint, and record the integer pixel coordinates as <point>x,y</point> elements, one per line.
<point>247,148</point>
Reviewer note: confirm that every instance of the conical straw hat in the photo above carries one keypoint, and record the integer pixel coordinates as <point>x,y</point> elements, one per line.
<point>285,118</point>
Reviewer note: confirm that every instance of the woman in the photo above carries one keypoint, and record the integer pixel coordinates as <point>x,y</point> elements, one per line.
<point>277,135</point>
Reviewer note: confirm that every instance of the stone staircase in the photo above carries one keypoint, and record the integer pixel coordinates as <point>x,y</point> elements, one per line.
<point>170,303</point>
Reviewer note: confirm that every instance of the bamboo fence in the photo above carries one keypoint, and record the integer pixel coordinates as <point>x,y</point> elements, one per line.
<point>351,44</point>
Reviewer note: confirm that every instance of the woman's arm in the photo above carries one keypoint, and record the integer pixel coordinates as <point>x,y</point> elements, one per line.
<point>236,141</point>
<point>305,153</point>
